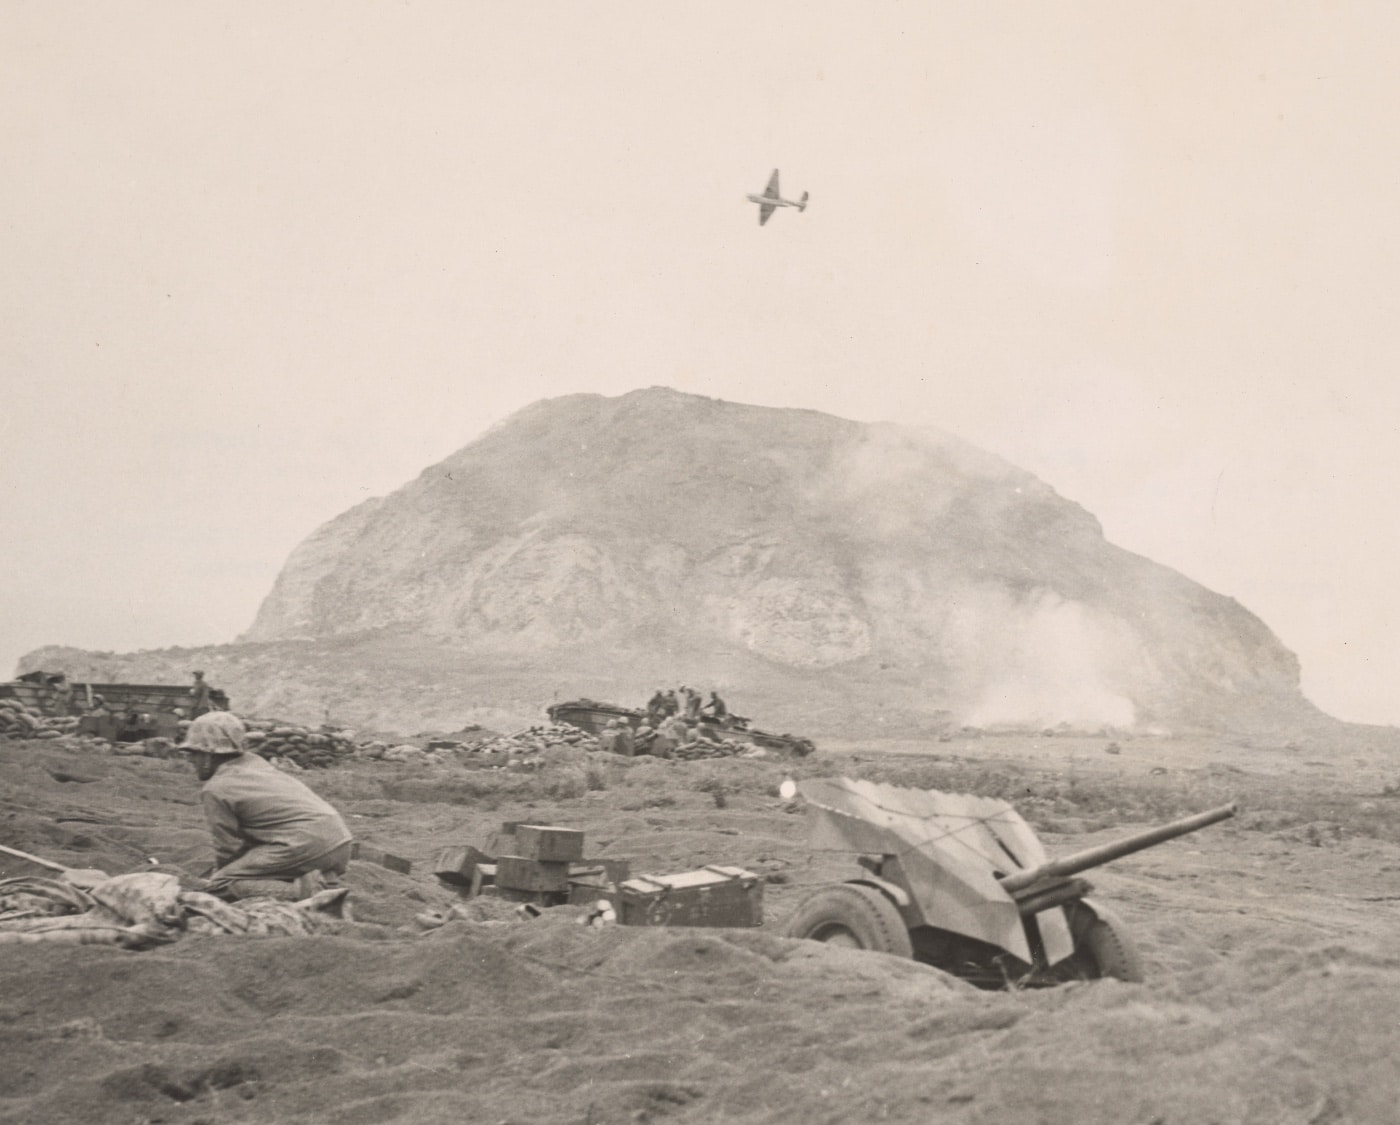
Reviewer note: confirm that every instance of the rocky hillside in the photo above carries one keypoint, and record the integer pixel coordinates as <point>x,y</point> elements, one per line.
<point>820,567</point>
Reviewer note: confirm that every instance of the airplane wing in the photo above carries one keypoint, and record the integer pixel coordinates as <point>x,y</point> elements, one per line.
<point>771,191</point>
<point>765,210</point>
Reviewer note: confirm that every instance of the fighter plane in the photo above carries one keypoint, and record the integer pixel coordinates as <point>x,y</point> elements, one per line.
<point>770,199</point>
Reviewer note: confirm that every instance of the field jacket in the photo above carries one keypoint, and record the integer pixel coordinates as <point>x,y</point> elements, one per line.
<point>249,802</point>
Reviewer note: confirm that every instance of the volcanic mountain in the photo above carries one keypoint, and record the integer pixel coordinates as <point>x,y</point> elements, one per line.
<point>843,573</point>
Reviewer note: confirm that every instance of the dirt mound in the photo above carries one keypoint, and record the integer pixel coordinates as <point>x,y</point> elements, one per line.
<point>549,1021</point>
<point>1270,993</point>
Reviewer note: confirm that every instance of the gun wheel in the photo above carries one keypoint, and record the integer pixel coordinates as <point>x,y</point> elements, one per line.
<point>1102,948</point>
<point>852,915</point>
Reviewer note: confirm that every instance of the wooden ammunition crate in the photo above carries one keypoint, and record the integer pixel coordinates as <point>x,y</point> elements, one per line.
<point>368,853</point>
<point>604,870</point>
<point>517,873</point>
<point>553,845</point>
<point>502,842</point>
<point>591,880</point>
<point>457,864</point>
<point>712,896</point>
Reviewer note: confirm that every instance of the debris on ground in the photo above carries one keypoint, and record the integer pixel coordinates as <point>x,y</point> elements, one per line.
<point>147,908</point>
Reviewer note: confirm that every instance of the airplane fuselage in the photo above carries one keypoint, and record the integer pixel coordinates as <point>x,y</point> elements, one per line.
<point>774,201</point>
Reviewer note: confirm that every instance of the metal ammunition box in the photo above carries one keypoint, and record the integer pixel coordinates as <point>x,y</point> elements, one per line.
<point>712,896</point>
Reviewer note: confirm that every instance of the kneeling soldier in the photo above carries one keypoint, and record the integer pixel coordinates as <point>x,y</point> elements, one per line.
<point>265,825</point>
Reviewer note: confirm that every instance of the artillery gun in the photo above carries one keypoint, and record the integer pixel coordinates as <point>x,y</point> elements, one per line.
<point>963,883</point>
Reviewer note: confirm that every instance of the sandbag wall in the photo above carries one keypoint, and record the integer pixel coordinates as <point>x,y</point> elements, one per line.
<point>308,748</point>
<point>18,720</point>
<point>495,750</point>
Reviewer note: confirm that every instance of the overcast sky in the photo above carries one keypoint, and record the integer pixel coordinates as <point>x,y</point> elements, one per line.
<point>264,260</point>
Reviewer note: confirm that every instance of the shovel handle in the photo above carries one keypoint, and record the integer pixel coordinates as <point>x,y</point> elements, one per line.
<point>34,859</point>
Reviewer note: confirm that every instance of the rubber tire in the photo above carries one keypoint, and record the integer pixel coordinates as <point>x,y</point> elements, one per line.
<point>1101,942</point>
<point>858,913</point>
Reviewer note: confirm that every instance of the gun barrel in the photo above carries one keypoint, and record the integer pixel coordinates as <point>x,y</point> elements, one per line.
<point>1104,853</point>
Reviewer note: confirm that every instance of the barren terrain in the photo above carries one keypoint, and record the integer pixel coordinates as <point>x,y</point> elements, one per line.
<point>1271,994</point>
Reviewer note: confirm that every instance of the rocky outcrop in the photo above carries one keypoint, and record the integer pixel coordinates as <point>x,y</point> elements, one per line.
<point>901,570</point>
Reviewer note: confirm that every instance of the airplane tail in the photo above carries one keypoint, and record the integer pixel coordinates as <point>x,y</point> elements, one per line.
<point>802,203</point>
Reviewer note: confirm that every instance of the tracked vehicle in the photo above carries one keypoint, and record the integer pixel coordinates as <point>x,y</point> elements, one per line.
<point>962,883</point>
<point>592,716</point>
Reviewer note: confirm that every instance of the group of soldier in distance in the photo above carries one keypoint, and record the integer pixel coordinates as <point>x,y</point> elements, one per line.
<point>203,698</point>
<point>674,718</point>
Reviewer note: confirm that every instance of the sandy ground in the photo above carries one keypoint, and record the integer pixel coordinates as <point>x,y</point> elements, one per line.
<point>1272,993</point>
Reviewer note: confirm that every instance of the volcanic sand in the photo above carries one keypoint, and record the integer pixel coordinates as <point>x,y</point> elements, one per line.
<point>1271,994</point>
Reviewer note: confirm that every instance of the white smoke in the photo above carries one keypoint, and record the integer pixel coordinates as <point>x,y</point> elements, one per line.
<point>1042,663</point>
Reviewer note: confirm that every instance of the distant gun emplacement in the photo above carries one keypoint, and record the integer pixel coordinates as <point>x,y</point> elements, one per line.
<point>112,711</point>
<point>962,883</point>
<point>593,717</point>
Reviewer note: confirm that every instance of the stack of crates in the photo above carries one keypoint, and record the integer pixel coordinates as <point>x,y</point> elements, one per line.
<point>538,869</point>
<point>544,865</point>
<point>534,863</point>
